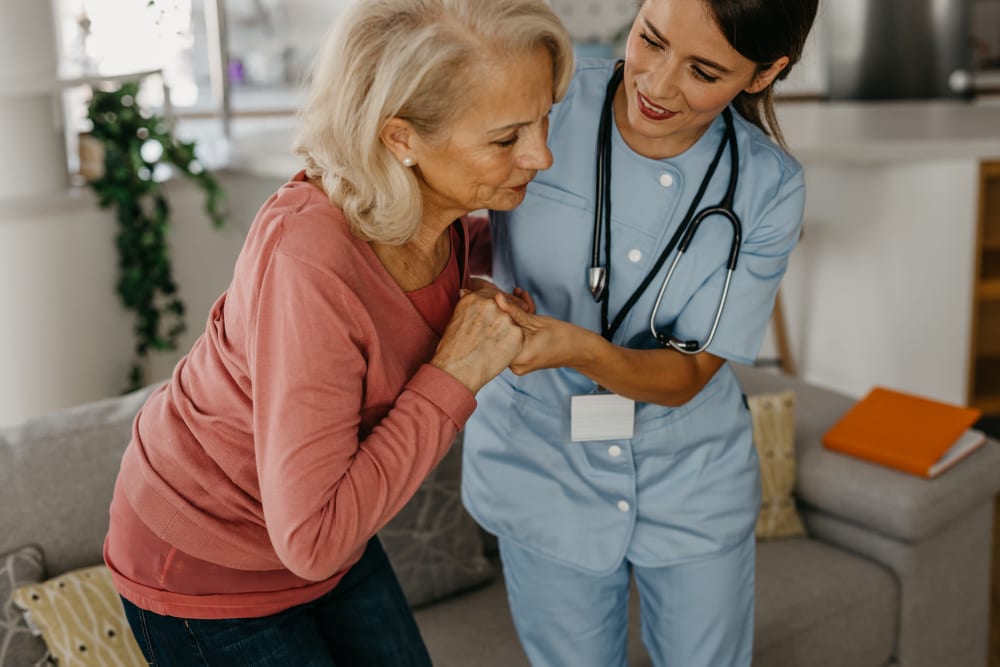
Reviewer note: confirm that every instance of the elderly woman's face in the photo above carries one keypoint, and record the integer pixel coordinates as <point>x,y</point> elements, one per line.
<point>493,149</point>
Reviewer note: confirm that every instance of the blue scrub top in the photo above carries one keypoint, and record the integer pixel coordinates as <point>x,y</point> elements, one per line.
<point>686,485</point>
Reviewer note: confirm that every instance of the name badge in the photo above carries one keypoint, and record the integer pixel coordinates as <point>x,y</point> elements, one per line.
<point>601,417</point>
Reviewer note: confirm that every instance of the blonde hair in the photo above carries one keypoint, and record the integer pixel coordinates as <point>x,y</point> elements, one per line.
<point>417,60</point>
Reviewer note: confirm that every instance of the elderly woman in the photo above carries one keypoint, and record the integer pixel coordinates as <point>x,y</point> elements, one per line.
<point>336,370</point>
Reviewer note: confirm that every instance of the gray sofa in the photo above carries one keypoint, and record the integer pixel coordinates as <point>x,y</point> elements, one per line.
<point>894,572</point>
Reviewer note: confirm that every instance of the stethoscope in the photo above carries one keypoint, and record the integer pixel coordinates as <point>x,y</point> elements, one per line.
<point>599,275</point>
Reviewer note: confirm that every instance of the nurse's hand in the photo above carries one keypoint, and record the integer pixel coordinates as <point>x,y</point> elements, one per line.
<point>661,376</point>
<point>480,341</point>
<point>548,342</point>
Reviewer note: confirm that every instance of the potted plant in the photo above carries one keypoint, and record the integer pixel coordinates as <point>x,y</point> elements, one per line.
<point>136,148</point>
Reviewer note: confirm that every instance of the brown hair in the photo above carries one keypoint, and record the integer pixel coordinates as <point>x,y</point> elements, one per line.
<point>763,31</point>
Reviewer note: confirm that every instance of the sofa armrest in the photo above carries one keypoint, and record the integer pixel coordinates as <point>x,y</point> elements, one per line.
<point>893,503</point>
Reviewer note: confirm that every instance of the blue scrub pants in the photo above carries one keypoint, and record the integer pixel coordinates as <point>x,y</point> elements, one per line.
<point>696,614</point>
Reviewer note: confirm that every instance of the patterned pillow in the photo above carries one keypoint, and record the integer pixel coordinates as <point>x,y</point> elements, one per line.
<point>81,619</point>
<point>18,646</point>
<point>435,547</point>
<point>774,437</point>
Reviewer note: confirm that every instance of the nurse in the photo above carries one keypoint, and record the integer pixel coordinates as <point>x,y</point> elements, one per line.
<point>605,453</point>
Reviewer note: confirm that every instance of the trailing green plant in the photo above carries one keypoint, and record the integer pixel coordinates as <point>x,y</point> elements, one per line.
<point>138,147</point>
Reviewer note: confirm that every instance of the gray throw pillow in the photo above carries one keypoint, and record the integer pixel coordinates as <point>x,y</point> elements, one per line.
<point>434,545</point>
<point>18,646</point>
<point>57,474</point>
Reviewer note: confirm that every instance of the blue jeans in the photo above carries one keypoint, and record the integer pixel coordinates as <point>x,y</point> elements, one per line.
<point>364,622</point>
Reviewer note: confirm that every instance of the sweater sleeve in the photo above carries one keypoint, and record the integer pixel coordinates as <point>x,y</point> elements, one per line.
<point>328,483</point>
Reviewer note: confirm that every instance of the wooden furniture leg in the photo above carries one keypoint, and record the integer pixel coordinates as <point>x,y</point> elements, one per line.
<point>785,360</point>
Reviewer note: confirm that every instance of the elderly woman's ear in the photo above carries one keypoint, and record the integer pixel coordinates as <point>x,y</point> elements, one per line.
<point>399,137</point>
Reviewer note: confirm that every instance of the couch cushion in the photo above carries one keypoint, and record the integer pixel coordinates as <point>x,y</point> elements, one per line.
<point>773,417</point>
<point>18,646</point>
<point>894,503</point>
<point>57,473</point>
<point>823,607</point>
<point>81,619</point>
<point>434,545</point>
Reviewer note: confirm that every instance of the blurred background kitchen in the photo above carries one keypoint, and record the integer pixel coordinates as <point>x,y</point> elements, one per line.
<point>239,62</point>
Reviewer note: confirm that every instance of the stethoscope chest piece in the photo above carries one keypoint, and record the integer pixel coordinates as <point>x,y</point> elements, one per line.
<point>597,280</point>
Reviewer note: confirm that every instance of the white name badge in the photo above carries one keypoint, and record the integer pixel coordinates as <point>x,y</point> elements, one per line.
<point>601,417</point>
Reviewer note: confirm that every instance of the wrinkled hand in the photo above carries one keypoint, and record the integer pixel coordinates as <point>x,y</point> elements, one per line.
<point>480,341</point>
<point>519,297</point>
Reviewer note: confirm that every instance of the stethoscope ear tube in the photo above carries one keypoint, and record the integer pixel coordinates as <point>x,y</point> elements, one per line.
<point>691,346</point>
<point>724,209</point>
<point>728,214</point>
<point>599,275</point>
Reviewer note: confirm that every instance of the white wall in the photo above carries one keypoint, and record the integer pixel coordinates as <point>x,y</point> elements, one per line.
<point>879,290</point>
<point>64,338</point>
<point>32,161</point>
<point>61,335</point>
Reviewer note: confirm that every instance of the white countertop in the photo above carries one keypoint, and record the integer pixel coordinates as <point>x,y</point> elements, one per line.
<point>816,132</point>
<point>879,132</point>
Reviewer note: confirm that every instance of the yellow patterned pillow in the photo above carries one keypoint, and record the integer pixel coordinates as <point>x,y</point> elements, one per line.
<point>774,437</point>
<point>81,619</point>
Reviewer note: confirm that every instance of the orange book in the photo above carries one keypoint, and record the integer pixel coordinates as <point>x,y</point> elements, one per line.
<point>914,434</point>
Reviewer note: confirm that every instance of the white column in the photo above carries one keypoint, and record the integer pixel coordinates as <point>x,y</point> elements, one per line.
<point>32,145</point>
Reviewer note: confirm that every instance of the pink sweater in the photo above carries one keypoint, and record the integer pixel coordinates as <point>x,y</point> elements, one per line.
<point>298,425</point>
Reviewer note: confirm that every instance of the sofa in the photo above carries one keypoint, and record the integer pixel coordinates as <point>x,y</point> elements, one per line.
<point>893,570</point>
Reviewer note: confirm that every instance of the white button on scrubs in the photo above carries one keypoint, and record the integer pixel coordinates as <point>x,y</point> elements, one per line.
<point>615,451</point>
<point>623,505</point>
<point>634,255</point>
<point>666,180</point>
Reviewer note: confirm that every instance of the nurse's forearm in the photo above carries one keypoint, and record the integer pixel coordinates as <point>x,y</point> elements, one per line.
<point>663,376</point>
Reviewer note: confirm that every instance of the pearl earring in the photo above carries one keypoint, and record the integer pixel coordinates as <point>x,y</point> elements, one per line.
<point>408,161</point>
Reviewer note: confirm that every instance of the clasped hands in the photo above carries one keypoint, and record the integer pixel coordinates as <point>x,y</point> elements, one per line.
<point>543,337</point>
<point>491,330</point>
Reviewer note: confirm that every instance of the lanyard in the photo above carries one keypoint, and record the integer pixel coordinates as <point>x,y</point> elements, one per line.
<point>600,275</point>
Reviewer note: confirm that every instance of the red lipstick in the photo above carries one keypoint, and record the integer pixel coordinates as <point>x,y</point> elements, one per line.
<point>650,110</point>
